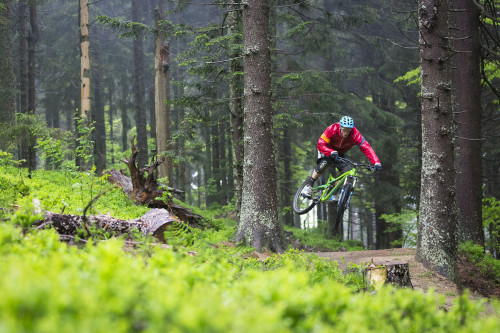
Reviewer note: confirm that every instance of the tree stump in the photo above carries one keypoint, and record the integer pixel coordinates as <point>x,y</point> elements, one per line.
<point>395,273</point>
<point>145,190</point>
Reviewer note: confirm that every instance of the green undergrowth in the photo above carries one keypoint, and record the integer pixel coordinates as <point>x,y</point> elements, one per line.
<point>48,286</point>
<point>67,191</point>
<point>202,283</point>
<point>315,239</point>
<point>488,265</point>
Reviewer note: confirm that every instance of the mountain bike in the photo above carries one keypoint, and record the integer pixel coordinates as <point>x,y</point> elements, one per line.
<point>342,187</point>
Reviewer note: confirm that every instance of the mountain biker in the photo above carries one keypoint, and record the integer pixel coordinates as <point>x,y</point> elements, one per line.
<point>335,141</point>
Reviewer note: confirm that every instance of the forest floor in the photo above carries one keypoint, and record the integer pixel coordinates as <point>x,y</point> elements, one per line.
<point>422,278</point>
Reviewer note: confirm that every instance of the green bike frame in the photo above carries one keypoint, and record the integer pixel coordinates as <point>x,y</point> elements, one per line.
<point>342,180</point>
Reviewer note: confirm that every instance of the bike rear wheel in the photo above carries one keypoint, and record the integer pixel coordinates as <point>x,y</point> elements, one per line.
<point>345,197</point>
<point>302,203</point>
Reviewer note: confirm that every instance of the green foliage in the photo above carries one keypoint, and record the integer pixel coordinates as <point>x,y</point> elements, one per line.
<point>85,146</point>
<point>47,286</point>
<point>26,214</point>
<point>410,77</point>
<point>130,29</point>
<point>51,149</point>
<point>316,238</point>
<point>489,266</point>
<point>405,221</point>
<point>27,127</point>
<point>68,190</point>
<point>491,221</point>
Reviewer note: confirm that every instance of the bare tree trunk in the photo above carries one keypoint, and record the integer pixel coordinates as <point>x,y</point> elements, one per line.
<point>437,229</point>
<point>139,91</point>
<point>162,110</point>
<point>467,109</point>
<point>84,58</point>
<point>259,222</point>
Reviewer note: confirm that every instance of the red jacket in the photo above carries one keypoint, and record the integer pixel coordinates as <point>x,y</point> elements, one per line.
<point>332,140</point>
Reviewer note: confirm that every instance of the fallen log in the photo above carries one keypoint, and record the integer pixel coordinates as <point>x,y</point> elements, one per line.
<point>154,223</point>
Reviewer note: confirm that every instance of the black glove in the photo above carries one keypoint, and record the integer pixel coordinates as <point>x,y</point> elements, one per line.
<point>377,167</point>
<point>334,155</point>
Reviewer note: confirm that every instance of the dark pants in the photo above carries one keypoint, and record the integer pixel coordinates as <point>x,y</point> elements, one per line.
<point>324,162</point>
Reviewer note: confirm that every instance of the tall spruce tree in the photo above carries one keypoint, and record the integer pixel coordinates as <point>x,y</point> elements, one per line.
<point>259,224</point>
<point>437,229</point>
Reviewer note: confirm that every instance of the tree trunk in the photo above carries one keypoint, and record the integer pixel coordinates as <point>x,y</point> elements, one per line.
<point>111,91</point>
<point>162,111</point>
<point>139,91</point>
<point>236,111</point>
<point>331,232</point>
<point>84,58</point>
<point>207,166</point>
<point>216,161</point>
<point>467,109</point>
<point>437,239</point>
<point>23,60</point>
<point>223,163</point>
<point>259,223</point>
<point>98,117</point>
<point>124,117</point>
<point>32,40</point>
<point>286,186</point>
<point>23,75</point>
<point>7,88</point>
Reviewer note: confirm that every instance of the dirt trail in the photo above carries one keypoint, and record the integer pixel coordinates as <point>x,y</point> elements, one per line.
<point>421,278</point>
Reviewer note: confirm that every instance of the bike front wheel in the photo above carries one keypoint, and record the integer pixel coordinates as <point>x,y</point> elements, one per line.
<point>345,197</point>
<point>303,203</point>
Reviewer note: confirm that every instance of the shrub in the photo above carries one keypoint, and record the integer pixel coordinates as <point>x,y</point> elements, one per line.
<point>47,286</point>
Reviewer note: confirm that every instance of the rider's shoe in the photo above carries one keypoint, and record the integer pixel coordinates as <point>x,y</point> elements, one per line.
<point>307,192</point>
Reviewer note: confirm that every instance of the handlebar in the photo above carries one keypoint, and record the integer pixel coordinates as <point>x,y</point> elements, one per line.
<point>354,164</point>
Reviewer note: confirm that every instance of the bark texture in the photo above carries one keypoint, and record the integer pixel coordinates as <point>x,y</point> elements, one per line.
<point>467,109</point>
<point>236,111</point>
<point>153,223</point>
<point>259,223</point>
<point>437,239</point>
<point>7,91</point>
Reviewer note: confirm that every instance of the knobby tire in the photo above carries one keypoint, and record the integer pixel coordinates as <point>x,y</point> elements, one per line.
<point>298,199</point>
<point>343,203</point>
